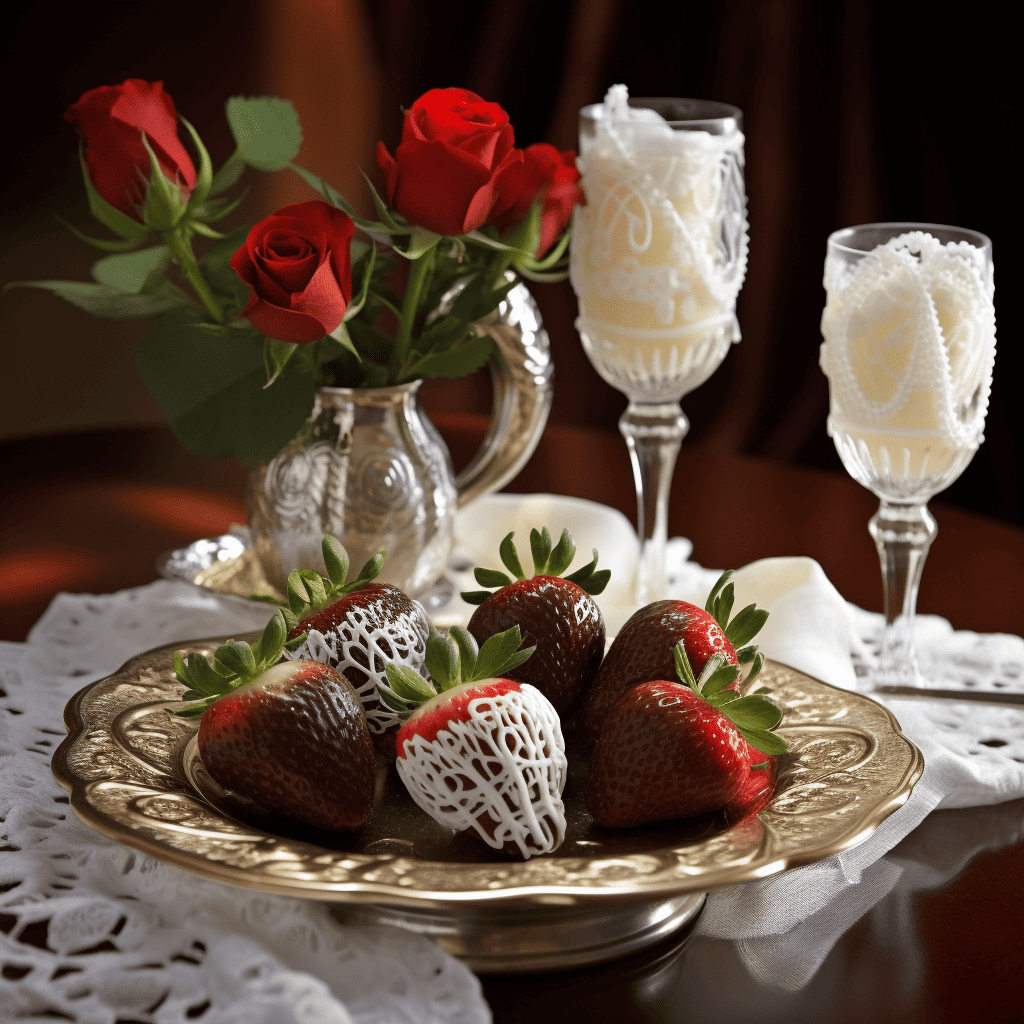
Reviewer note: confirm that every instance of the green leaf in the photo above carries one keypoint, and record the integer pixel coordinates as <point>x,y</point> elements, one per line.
<point>540,548</point>
<point>510,557</point>
<point>500,654</point>
<point>442,661</point>
<point>268,648</point>
<point>475,596</point>
<point>371,568</point>
<point>407,684</point>
<point>469,650</point>
<point>421,241</point>
<point>329,192</point>
<point>491,577</point>
<point>165,199</point>
<point>109,216</point>
<point>709,605</point>
<point>107,244</point>
<point>754,712</point>
<point>266,130</point>
<point>597,581</point>
<point>562,555</point>
<point>230,172</point>
<point>758,664</point>
<point>335,559</point>
<point>723,605</point>
<point>766,742</point>
<point>683,667</point>
<point>204,173</point>
<point>360,300</point>
<point>468,357</point>
<point>275,357</point>
<point>214,210</point>
<point>722,677</point>
<point>138,272</point>
<point>211,390</point>
<point>108,301</point>
<point>746,625</point>
<point>237,658</point>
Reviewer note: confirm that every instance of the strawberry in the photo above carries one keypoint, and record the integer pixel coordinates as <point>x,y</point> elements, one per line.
<point>644,649</point>
<point>481,751</point>
<point>357,627</point>
<point>676,750</point>
<point>559,616</point>
<point>289,735</point>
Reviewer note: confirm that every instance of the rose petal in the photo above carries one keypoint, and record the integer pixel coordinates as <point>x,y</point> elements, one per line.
<point>283,324</point>
<point>436,186</point>
<point>323,298</point>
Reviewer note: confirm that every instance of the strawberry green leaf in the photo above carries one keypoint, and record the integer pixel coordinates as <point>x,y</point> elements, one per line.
<point>540,548</point>
<point>597,582</point>
<point>510,557</point>
<point>754,713</point>
<point>237,658</point>
<point>724,603</point>
<point>491,577</point>
<point>475,596</point>
<point>713,596</point>
<point>723,676</point>
<point>563,554</point>
<point>268,648</point>
<point>469,650</point>
<point>755,668</point>
<point>443,662</point>
<point>746,625</point>
<point>746,654</point>
<point>393,701</point>
<point>500,653</point>
<point>336,560</point>
<point>766,742</point>
<point>371,569</point>
<point>409,685</point>
<point>683,667</point>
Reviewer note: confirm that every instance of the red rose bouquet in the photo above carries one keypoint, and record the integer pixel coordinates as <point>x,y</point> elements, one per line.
<point>250,322</point>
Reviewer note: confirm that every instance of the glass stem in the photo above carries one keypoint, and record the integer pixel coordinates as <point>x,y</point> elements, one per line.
<point>653,434</point>
<point>903,534</point>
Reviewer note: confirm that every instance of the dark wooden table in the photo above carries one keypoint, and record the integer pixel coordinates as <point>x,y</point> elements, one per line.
<point>92,512</point>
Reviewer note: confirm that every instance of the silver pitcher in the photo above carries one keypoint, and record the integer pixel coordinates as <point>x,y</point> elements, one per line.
<point>370,468</point>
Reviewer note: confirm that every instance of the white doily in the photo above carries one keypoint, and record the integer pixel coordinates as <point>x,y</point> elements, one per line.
<point>95,933</point>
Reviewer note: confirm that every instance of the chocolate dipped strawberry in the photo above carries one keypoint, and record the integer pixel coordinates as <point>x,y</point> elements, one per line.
<point>558,615</point>
<point>644,649</point>
<point>479,750</point>
<point>289,735</point>
<point>357,627</point>
<point>673,749</point>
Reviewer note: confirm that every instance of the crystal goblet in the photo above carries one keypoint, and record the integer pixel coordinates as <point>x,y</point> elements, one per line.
<point>658,257</point>
<point>909,329</point>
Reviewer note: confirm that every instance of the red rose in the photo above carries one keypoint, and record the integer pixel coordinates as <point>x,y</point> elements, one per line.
<point>111,120</point>
<point>456,167</point>
<point>299,266</point>
<point>554,174</point>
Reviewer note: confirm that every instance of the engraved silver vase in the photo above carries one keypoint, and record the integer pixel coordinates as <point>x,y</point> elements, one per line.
<point>370,468</point>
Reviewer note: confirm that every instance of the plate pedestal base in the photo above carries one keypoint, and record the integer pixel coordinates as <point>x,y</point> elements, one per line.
<point>549,935</point>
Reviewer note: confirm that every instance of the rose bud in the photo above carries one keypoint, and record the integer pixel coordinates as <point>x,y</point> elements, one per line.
<point>552,175</point>
<point>111,120</point>
<point>456,167</point>
<point>298,265</point>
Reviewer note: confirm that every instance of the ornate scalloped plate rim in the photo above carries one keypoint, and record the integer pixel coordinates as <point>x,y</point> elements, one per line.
<point>669,880</point>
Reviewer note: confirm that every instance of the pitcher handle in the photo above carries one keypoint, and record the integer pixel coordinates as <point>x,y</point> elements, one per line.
<point>523,379</point>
